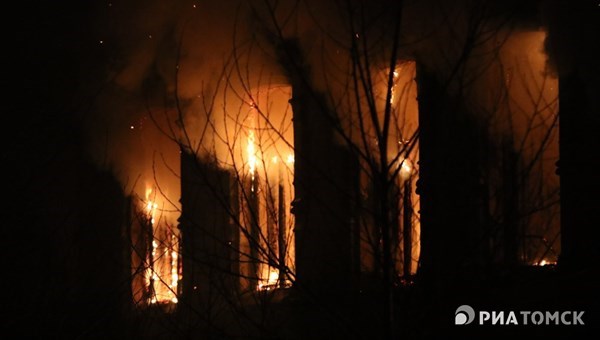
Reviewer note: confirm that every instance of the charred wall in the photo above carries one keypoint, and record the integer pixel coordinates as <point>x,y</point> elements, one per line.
<point>210,238</point>
<point>572,45</point>
<point>325,181</point>
<point>451,194</point>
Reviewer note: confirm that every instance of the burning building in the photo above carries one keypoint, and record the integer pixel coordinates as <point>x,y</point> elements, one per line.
<point>155,250</point>
<point>425,152</point>
<point>281,188</point>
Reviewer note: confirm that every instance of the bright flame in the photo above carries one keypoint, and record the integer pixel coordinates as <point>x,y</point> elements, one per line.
<point>267,158</point>
<point>162,273</point>
<point>545,262</point>
<point>251,150</point>
<point>270,282</point>
<point>393,96</point>
<point>405,169</point>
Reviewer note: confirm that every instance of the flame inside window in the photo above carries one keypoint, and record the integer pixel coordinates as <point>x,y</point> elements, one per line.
<point>155,258</point>
<point>267,250</point>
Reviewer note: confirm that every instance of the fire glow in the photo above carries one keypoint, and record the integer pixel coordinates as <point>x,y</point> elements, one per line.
<point>267,180</point>
<point>161,276</point>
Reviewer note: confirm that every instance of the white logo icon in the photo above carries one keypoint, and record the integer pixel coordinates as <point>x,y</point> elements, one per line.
<point>464,315</point>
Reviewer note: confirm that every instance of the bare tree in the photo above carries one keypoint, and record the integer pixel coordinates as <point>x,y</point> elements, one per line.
<point>299,168</point>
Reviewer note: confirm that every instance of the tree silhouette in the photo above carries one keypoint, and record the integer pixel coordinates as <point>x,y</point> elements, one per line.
<point>303,153</point>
